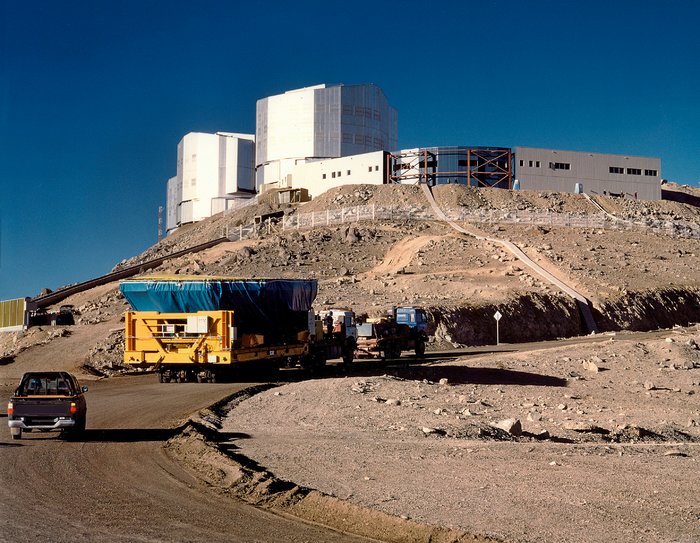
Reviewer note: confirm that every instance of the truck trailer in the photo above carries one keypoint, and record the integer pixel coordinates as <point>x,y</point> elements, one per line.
<point>199,328</point>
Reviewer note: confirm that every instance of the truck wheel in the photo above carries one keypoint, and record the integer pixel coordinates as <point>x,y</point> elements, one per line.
<point>392,351</point>
<point>79,427</point>
<point>420,348</point>
<point>16,433</point>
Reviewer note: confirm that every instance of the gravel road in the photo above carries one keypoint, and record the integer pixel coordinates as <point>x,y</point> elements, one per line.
<point>118,484</point>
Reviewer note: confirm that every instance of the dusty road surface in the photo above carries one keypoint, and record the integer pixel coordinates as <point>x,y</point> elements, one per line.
<point>595,441</point>
<point>118,484</point>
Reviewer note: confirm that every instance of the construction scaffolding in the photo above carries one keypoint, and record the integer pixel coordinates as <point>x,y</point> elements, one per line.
<point>473,166</point>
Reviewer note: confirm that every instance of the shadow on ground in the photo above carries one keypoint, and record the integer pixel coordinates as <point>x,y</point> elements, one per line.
<point>460,375</point>
<point>124,435</point>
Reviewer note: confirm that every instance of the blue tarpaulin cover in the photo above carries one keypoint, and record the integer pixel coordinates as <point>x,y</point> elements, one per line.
<point>257,300</point>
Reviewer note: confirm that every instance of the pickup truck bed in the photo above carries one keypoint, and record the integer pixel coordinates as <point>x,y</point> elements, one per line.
<point>47,401</point>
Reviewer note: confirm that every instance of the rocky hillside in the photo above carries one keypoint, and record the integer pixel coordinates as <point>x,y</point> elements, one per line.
<point>638,273</point>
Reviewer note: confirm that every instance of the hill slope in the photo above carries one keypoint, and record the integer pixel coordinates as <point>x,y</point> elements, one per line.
<point>639,271</point>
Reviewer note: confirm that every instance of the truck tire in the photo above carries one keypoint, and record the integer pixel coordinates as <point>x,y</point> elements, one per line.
<point>348,352</point>
<point>79,427</point>
<point>16,433</point>
<point>391,351</point>
<point>420,348</point>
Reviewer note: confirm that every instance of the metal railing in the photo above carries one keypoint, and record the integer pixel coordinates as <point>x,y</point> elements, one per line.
<point>373,212</point>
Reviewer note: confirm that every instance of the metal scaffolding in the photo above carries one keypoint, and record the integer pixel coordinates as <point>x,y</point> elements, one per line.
<point>473,166</point>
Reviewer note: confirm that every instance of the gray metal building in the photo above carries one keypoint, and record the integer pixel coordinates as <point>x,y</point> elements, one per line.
<point>595,173</point>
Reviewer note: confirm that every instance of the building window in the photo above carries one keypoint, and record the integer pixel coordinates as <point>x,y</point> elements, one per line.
<point>634,171</point>
<point>530,163</point>
<point>537,164</point>
<point>348,172</point>
<point>347,138</point>
<point>376,168</point>
<point>560,165</point>
<point>653,173</point>
<point>338,174</point>
<point>333,175</point>
<point>193,182</point>
<point>615,169</point>
<point>323,176</point>
<point>359,139</point>
<point>369,169</point>
<point>377,115</point>
<point>522,163</point>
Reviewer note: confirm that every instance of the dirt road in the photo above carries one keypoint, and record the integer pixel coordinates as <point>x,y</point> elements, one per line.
<point>118,484</point>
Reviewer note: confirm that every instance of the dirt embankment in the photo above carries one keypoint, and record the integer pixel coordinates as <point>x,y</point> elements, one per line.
<point>590,442</point>
<point>635,278</point>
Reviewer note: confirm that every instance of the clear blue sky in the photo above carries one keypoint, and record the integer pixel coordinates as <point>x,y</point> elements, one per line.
<point>95,95</point>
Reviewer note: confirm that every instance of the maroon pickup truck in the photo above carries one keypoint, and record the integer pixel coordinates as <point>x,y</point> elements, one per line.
<point>47,401</point>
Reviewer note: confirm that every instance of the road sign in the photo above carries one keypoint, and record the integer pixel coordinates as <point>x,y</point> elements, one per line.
<point>497,315</point>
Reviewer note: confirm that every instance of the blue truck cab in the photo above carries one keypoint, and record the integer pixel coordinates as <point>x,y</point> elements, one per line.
<point>414,317</point>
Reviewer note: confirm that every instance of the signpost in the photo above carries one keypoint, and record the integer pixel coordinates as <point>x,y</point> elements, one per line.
<point>497,315</point>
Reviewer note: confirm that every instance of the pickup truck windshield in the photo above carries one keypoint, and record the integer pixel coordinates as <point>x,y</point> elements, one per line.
<point>39,385</point>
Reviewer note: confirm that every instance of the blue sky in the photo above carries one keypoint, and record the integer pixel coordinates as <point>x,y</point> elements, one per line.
<point>95,95</point>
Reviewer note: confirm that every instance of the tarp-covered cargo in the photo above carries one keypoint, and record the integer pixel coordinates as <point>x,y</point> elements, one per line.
<point>255,301</point>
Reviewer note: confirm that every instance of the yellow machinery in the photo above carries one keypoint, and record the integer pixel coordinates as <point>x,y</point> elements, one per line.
<point>161,338</point>
<point>197,327</point>
<point>199,342</point>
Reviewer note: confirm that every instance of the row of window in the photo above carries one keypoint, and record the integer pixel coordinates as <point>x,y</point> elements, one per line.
<point>359,111</point>
<point>361,139</point>
<point>633,171</point>
<point>339,174</point>
<point>612,169</point>
<point>552,165</point>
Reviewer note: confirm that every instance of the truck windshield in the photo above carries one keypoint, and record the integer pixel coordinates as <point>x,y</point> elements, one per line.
<point>42,385</point>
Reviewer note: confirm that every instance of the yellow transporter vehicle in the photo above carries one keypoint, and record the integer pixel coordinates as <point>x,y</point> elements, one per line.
<point>188,328</point>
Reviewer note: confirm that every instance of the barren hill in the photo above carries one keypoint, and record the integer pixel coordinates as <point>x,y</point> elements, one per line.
<point>637,264</point>
<point>635,261</point>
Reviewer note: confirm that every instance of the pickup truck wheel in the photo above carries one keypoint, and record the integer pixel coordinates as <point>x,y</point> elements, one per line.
<point>16,433</point>
<point>420,348</point>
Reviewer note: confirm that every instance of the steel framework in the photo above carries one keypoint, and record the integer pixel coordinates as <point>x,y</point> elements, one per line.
<point>474,166</point>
